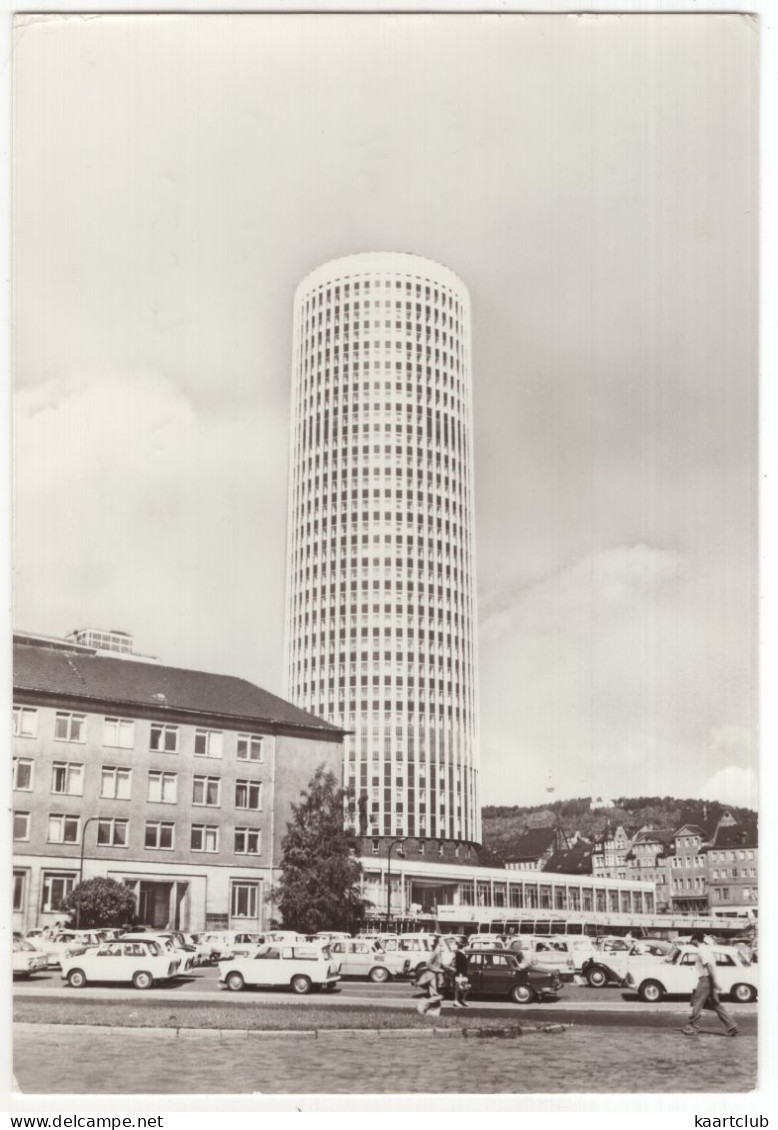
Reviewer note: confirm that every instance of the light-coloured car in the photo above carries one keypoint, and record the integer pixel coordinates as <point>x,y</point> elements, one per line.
<point>141,962</point>
<point>677,974</point>
<point>549,952</point>
<point>69,943</point>
<point>360,958</point>
<point>27,959</point>
<point>604,967</point>
<point>300,968</point>
<point>171,941</point>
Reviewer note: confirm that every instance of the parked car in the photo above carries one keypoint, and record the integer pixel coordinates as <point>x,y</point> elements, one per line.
<point>170,940</point>
<point>140,962</point>
<point>416,947</point>
<point>301,968</point>
<point>736,977</point>
<point>69,943</point>
<point>546,951</point>
<point>611,967</point>
<point>27,959</point>
<point>492,973</point>
<point>360,958</point>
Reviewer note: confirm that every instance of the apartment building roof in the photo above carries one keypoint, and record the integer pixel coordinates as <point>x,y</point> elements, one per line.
<point>74,673</point>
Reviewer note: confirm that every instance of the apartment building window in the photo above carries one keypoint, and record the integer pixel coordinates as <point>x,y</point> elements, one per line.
<point>163,787</point>
<point>206,790</point>
<point>119,732</point>
<point>249,747</point>
<point>208,743</point>
<point>69,727</point>
<point>247,841</point>
<point>159,835</point>
<point>57,889</point>
<point>248,794</point>
<point>64,829</point>
<point>113,833</point>
<point>67,777</point>
<point>164,739</point>
<point>21,825</point>
<point>245,899</point>
<point>25,722</point>
<point>19,886</point>
<point>205,837</point>
<point>115,783</point>
<point>22,773</point>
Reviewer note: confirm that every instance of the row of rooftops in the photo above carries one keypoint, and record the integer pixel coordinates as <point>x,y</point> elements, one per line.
<point>67,669</point>
<point>552,848</point>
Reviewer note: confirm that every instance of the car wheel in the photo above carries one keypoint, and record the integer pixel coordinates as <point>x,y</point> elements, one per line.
<point>142,980</point>
<point>596,976</point>
<point>301,984</point>
<point>521,994</point>
<point>743,993</point>
<point>651,991</point>
<point>76,978</point>
<point>234,981</point>
<point>379,974</point>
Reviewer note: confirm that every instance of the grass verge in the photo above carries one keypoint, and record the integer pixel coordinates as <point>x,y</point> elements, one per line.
<point>263,1016</point>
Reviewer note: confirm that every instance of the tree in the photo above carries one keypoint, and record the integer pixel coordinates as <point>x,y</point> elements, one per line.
<point>319,885</point>
<point>104,902</point>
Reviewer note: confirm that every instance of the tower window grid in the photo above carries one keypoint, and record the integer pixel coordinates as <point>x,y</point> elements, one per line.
<point>381,608</point>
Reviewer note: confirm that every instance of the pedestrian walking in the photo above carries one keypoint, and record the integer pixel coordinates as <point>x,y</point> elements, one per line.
<point>461,983</point>
<point>706,992</point>
<point>433,977</point>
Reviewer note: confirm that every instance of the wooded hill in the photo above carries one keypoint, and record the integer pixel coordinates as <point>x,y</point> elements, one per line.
<point>502,826</point>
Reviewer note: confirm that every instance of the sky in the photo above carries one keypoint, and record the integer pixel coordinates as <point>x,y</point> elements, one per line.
<point>594,183</point>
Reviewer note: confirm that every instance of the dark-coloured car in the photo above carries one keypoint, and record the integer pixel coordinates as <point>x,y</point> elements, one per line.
<point>504,975</point>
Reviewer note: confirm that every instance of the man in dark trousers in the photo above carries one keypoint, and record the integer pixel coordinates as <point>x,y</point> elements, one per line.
<point>461,985</point>
<point>706,992</point>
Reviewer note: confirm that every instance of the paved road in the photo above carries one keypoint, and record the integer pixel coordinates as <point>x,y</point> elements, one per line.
<point>577,1004</point>
<point>137,1061</point>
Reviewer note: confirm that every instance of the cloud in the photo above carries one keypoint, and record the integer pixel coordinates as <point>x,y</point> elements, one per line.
<point>615,675</point>
<point>134,510</point>
<point>733,785</point>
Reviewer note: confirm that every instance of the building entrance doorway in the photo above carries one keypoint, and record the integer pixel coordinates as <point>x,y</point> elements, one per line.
<point>160,904</point>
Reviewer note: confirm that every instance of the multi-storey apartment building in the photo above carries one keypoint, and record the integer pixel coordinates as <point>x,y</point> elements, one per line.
<point>732,858</point>
<point>177,783</point>
<point>609,854</point>
<point>647,859</point>
<point>381,619</point>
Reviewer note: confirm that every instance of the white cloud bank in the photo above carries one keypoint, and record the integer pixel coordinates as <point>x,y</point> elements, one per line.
<point>616,676</point>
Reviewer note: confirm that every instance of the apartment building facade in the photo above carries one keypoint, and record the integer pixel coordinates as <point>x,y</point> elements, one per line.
<point>177,783</point>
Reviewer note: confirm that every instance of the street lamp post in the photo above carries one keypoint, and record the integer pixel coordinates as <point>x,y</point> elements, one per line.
<point>392,845</point>
<point>87,822</point>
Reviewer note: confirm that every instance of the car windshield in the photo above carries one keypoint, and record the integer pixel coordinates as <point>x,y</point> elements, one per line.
<point>20,944</point>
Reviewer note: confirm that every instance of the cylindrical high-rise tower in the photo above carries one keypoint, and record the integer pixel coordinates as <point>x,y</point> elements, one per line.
<point>381,615</point>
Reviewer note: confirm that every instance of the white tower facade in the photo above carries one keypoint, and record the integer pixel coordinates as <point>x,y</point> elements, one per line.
<point>381,604</point>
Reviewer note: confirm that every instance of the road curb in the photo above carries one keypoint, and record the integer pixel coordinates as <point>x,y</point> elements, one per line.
<point>512,1031</point>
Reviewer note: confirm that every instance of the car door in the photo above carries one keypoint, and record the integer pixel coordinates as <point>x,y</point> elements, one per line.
<point>360,959</point>
<point>497,974</point>
<point>266,967</point>
<point>338,951</point>
<point>107,963</point>
<point>475,965</point>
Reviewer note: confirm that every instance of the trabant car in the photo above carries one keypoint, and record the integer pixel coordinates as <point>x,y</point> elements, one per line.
<point>549,952</point>
<point>736,977</point>
<point>68,943</point>
<point>300,968</point>
<point>140,962</point>
<point>361,958</point>
<point>501,974</point>
<point>27,959</point>
<point>170,940</point>
<point>611,967</point>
